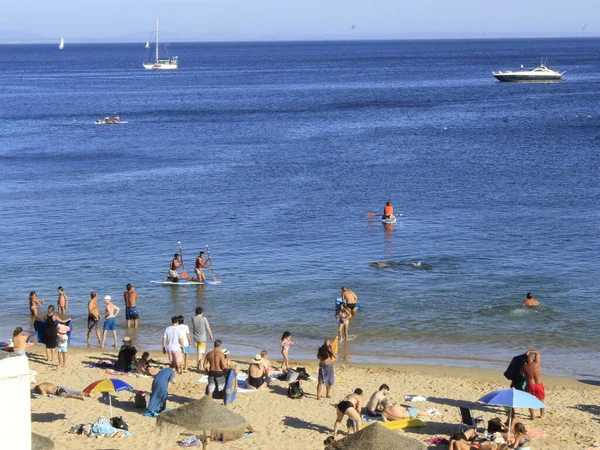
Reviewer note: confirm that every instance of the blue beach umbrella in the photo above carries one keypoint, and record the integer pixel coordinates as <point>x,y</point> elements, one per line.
<point>512,398</point>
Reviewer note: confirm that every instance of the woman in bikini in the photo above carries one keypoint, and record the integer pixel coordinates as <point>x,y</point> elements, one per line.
<point>521,440</point>
<point>62,302</point>
<point>343,317</point>
<point>350,406</point>
<point>466,441</point>
<point>34,303</point>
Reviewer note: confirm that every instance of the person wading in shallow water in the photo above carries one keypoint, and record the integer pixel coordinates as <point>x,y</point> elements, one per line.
<point>530,301</point>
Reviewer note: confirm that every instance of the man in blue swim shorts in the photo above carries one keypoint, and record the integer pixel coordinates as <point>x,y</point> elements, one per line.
<point>131,313</point>
<point>110,323</point>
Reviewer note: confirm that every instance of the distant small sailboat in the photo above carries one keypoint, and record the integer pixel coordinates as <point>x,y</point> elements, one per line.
<point>61,46</point>
<point>148,44</point>
<point>159,63</point>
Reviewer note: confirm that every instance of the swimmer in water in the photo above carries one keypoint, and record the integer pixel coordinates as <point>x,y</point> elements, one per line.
<point>530,301</point>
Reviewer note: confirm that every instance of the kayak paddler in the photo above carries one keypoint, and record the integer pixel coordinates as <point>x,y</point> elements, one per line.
<point>200,263</point>
<point>388,211</point>
<point>173,275</point>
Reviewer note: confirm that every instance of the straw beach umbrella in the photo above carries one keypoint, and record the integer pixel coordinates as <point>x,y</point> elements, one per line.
<point>39,442</point>
<point>376,437</point>
<point>202,416</point>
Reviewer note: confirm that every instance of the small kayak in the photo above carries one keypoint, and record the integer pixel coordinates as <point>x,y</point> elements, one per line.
<point>392,220</point>
<point>184,282</point>
<point>102,122</point>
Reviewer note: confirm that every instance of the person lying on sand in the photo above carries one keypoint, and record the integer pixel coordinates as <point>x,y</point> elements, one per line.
<point>52,389</point>
<point>465,441</point>
<point>396,411</point>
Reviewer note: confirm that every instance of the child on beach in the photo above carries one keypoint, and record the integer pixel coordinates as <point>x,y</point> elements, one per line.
<point>62,301</point>
<point>63,343</point>
<point>286,341</point>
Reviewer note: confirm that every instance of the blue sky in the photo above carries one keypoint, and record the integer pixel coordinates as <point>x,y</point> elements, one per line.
<point>125,20</point>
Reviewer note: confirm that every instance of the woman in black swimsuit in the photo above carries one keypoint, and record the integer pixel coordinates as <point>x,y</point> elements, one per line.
<point>50,333</point>
<point>350,406</point>
<point>257,377</point>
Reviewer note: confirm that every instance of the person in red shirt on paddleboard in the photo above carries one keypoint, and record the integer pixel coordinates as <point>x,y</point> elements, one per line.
<point>388,211</point>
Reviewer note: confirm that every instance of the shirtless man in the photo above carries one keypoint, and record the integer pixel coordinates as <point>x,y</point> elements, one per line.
<point>93,317</point>
<point>173,275</point>
<point>34,303</point>
<point>350,406</point>
<point>52,389</point>
<point>375,404</point>
<point>533,374</point>
<point>350,299</point>
<point>131,313</point>
<point>215,364</point>
<point>395,411</point>
<point>200,263</point>
<point>110,323</point>
<point>530,301</point>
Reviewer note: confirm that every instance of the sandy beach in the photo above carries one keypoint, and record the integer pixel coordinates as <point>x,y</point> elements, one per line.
<point>572,419</point>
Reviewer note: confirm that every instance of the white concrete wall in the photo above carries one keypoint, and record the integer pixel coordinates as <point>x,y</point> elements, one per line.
<point>15,401</point>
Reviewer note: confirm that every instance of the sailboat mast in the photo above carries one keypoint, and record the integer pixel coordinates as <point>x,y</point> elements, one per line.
<point>157,39</point>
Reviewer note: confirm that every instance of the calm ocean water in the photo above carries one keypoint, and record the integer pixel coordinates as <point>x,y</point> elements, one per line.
<point>273,153</point>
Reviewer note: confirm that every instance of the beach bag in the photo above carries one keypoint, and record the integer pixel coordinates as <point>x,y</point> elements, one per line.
<point>291,376</point>
<point>302,374</point>
<point>141,400</point>
<point>295,391</point>
<point>119,423</point>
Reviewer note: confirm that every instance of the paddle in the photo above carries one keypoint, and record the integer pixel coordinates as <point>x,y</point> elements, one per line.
<point>378,215</point>
<point>184,274</point>
<point>212,269</point>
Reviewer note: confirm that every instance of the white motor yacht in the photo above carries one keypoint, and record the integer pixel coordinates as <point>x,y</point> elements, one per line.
<point>539,74</point>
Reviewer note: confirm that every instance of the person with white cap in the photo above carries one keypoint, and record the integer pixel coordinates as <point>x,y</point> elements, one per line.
<point>110,322</point>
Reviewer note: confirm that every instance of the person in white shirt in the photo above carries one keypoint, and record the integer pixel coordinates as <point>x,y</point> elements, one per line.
<point>185,331</point>
<point>172,344</point>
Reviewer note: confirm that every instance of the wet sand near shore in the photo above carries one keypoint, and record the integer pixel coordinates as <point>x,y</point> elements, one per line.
<point>572,419</point>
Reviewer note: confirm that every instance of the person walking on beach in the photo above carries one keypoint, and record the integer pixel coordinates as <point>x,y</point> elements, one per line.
<point>62,302</point>
<point>200,263</point>
<point>349,298</point>
<point>530,301</point>
<point>110,323</point>
<point>326,358</point>
<point>343,317</point>
<point>286,342</point>
<point>351,407</point>
<point>34,303</point>
<point>185,334</point>
<point>131,312</point>
<point>93,317</point>
<point>200,327</point>
<point>172,343</point>
<point>173,274</point>
<point>533,374</point>
<point>215,364</point>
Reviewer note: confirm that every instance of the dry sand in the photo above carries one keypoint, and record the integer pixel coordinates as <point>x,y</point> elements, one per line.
<point>572,420</point>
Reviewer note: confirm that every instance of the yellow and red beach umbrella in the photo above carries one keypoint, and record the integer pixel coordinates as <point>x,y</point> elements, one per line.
<point>108,385</point>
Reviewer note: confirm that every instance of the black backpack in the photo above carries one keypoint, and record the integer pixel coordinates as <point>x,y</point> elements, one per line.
<point>294,390</point>
<point>119,423</point>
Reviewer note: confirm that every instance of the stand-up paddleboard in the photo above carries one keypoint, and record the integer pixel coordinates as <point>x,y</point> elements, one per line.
<point>338,302</point>
<point>392,220</point>
<point>185,282</point>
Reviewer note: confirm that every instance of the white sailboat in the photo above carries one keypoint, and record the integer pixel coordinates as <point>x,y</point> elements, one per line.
<point>147,44</point>
<point>164,63</point>
<point>61,46</point>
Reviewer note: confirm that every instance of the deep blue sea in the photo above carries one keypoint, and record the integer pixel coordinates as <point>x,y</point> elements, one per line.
<point>273,154</point>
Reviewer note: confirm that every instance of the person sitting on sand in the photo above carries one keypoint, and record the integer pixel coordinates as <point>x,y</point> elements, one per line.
<point>142,365</point>
<point>20,341</point>
<point>375,404</point>
<point>465,441</point>
<point>126,359</point>
<point>350,406</point>
<point>521,438</point>
<point>396,411</point>
<point>257,376</point>
<point>530,301</point>
<point>52,389</point>
<point>265,362</point>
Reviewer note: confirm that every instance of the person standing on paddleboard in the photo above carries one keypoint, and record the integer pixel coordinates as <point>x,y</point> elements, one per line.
<point>388,211</point>
<point>173,275</point>
<point>200,263</point>
<point>131,312</point>
<point>349,298</point>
